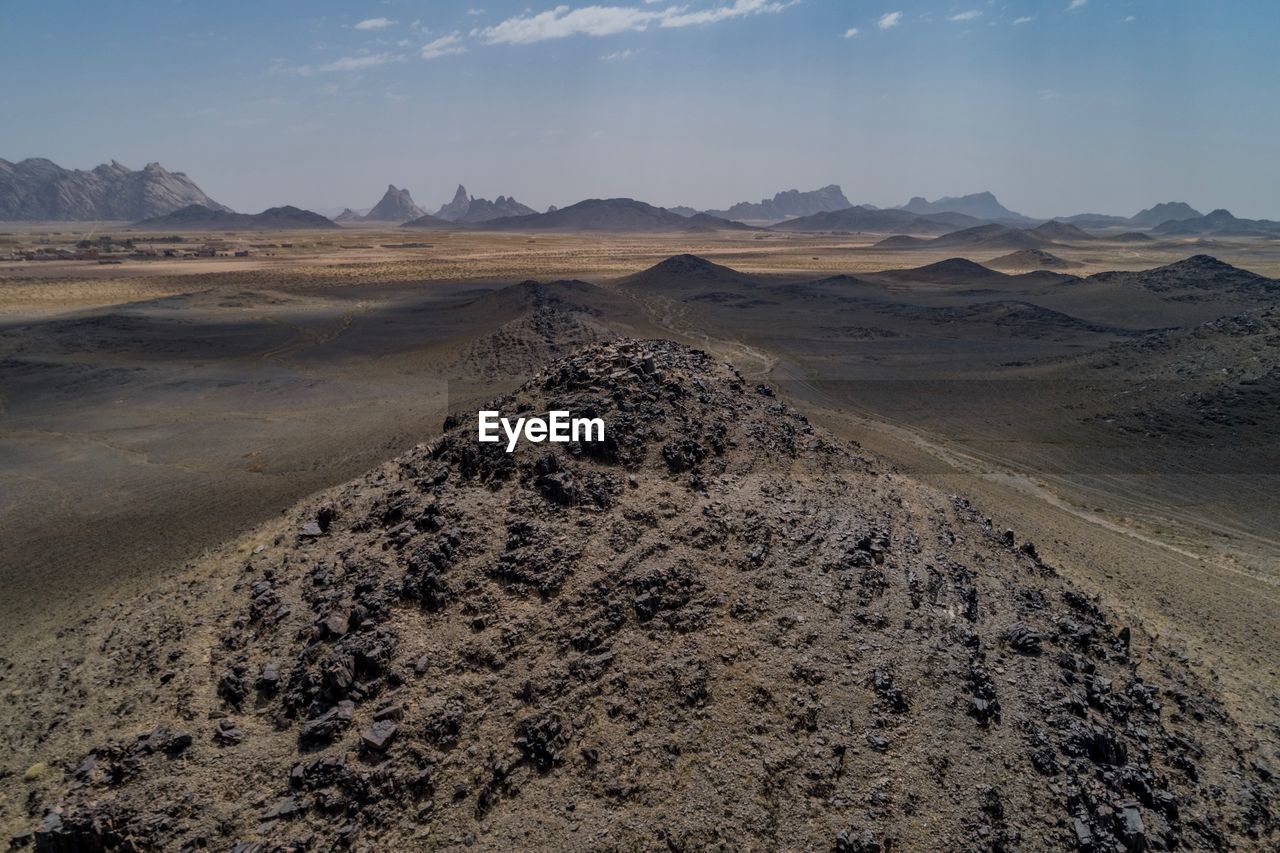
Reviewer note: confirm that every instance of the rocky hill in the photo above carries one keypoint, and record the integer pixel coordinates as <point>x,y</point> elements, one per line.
<point>1030,259</point>
<point>786,205</point>
<point>718,628</point>
<point>396,205</point>
<point>39,189</point>
<point>197,217</point>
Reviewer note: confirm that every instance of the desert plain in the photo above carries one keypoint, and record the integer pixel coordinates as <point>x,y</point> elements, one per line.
<point>152,410</point>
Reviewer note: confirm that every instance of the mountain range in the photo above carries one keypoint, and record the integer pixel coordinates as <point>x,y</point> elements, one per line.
<point>611,214</point>
<point>784,205</point>
<point>37,189</point>
<point>1218,223</point>
<point>467,208</point>
<point>981,205</point>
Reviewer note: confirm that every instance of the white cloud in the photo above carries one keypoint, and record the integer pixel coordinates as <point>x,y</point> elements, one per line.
<point>444,46</point>
<point>889,20</point>
<point>563,21</point>
<point>1130,19</point>
<point>1025,19</point>
<point>1076,4</point>
<point>966,16</point>
<point>475,13</point>
<point>851,33</point>
<point>621,54</point>
<point>342,64</point>
<point>739,8</point>
<point>374,24</point>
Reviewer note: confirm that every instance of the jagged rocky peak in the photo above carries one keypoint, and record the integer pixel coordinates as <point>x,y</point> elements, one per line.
<point>396,205</point>
<point>457,208</point>
<point>465,208</point>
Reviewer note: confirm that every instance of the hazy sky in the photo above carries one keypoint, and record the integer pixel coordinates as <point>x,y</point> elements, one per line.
<point>1057,106</point>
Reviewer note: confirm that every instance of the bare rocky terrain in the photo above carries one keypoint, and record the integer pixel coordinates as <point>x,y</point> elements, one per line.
<point>719,628</point>
<point>152,412</point>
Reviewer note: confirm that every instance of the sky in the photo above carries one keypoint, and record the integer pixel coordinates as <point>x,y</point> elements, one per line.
<point>1056,106</point>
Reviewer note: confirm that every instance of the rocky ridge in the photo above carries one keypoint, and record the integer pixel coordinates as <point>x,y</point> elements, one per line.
<point>39,189</point>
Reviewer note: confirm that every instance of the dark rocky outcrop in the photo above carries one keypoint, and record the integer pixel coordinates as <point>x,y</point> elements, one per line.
<point>719,628</point>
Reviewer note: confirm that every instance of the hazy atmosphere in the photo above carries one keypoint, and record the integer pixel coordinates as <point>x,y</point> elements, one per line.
<point>1057,106</point>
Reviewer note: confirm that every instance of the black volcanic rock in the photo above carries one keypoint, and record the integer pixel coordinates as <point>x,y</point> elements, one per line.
<point>720,610</point>
<point>785,205</point>
<point>395,206</point>
<point>1164,212</point>
<point>200,218</point>
<point>38,189</point>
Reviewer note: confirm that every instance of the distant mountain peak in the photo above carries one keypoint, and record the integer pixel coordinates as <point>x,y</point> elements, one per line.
<point>39,189</point>
<point>466,208</point>
<point>396,205</point>
<point>981,205</point>
<point>788,204</point>
<point>1166,211</point>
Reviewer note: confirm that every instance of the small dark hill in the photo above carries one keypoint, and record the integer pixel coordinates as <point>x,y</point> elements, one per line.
<point>959,271</point>
<point>686,272</point>
<point>1061,232</point>
<point>1200,273</point>
<point>427,220</point>
<point>1030,259</point>
<point>197,217</point>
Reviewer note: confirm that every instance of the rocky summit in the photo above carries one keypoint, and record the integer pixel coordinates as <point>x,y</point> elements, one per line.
<point>720,628</point>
